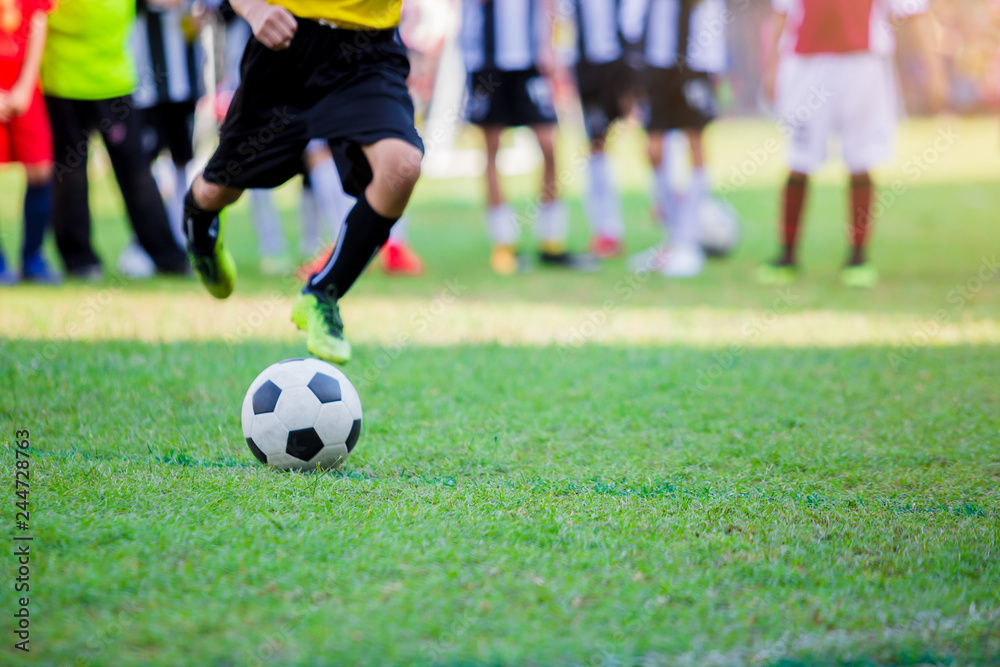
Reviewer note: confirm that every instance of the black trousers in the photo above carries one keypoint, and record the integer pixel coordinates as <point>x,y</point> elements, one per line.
<point>73,121</point>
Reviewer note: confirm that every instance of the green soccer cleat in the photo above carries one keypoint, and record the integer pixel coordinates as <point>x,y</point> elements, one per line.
<point>777,274</point>
<point>318,315</point>
<point>859,276</point>
<point>216,269</point>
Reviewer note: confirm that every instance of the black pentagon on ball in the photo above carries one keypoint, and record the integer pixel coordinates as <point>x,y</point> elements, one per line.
<point>352,438</point>
<point>288,361</point>
<point>304,444</point>
<point>261,456</point>
<point>265,398</point>
<point>326,388</point>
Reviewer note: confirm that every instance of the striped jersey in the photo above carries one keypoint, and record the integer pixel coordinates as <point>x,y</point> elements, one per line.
<point>501,34</point>
<point>166,56</point>
<point>679,33</point>
<point>598,35</point>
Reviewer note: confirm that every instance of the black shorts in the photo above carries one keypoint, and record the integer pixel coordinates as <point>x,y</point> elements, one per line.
<point>510,99</point>
<point>169,126</point>
<point>345,86</point>
<point>678,99</point>
<point>605,90</point>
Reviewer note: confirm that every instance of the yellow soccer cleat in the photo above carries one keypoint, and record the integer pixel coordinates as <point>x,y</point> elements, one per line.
<point>504,261</point>
<point>777,274</point>
<point>215,269</point>
<point>316,312</point>
<point>859,276</point>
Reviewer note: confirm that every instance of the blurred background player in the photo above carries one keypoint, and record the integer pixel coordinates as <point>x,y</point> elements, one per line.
<point>509,56</point>
<point>684,45</point>
<point>833,59</point>
<point>25,136</point>
<point>168,62</point>
<point>88,77</point>
<point>605,83</point>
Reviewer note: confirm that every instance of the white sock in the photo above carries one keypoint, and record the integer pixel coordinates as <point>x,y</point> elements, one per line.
<point>502,225</point>
<point>684,230</point>
<point>309,243</point>
<point>604,206</point>
<point>552,225</point>
<point>596,198</point>
<point>400,231</point>
<point>664,197</point>
<point>175,204</point>
<point>334,204</point>
<point>267,222</point>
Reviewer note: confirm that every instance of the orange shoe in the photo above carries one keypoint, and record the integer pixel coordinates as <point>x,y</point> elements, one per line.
<point>312,266</point>
<point>606,247</point>
<point>398,259</point>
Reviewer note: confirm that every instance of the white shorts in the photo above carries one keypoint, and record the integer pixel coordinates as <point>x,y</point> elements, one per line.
<point>851,95</point>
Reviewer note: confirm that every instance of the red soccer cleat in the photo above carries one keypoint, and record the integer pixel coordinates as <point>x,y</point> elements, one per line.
<point>606,247</point>
<point>398,259</point>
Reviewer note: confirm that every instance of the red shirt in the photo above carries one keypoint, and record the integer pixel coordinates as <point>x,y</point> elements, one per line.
<point>15,25</point>
<point>840,26</point>
<point>815,27</point>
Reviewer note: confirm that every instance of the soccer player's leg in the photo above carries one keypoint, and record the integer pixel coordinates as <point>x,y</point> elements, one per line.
<point>663,202</point>
<point>685,258</point>
<point>867,138</point>
<point>203,226</point>
<point>501,221</point>
<point>809,119</point>
<point>260,147</point>
<point>395,168</point>
<point>37,214</point>
<point>30,139</point>
<point>602,100</point>
<point>552,222</point>
<point>783,269</point>
<point>858,272</point>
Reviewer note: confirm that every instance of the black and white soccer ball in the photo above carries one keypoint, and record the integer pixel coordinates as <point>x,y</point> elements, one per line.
<point>301,414</point>
<point>718,227</point>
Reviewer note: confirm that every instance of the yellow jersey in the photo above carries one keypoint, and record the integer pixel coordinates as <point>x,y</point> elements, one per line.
<point>348,14</point>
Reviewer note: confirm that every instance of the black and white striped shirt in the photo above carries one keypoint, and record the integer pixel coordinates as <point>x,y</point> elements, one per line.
<point>502,34</point>
<point>166,62</point>
<point>598,35</point>
<point>689,33</point>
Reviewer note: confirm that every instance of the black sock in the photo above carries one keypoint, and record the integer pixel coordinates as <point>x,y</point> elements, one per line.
<point>200,226</point>
<point>364,233</point>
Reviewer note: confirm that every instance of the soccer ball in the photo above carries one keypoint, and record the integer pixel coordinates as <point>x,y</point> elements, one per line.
<point>718,227</point>
<point>301,414</point>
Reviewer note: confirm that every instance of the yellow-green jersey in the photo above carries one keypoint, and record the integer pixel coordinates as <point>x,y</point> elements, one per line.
<point>349,14</point>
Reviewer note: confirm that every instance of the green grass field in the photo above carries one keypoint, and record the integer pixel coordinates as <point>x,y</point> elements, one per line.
<point>555,469</point>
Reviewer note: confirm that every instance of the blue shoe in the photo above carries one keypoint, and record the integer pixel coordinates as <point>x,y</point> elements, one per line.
<point>7,277</point>
<point>36,270</point>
